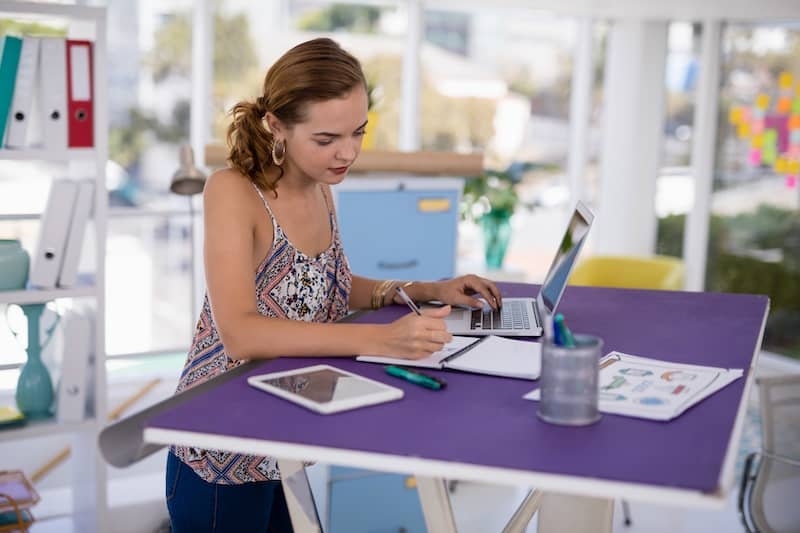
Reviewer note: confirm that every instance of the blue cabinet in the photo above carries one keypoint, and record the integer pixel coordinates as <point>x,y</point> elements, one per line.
<point>400,228</point>
<point>373,502</point>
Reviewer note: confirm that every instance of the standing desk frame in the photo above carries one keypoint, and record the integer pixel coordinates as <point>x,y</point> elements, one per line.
<point>480,429</point>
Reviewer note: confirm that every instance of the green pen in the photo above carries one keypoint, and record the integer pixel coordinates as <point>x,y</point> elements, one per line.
<point>417,378</point>
<point>567,339</point>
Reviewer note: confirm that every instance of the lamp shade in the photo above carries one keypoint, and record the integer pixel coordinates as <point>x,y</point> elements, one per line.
<point>188,180</point>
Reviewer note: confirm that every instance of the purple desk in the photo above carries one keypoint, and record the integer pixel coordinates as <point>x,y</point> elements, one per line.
<point>480,428</point>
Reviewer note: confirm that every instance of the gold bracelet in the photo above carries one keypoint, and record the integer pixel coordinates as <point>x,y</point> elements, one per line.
<point>379,293</point>
<point>388,289</point>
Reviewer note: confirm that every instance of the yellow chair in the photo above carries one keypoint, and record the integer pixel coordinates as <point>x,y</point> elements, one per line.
<point>656,272</point>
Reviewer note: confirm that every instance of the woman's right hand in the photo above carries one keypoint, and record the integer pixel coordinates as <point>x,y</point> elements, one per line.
<point>416,336</point>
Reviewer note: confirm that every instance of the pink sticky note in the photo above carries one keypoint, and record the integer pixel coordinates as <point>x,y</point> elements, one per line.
<point>791,181</point>
<point>755,157</point>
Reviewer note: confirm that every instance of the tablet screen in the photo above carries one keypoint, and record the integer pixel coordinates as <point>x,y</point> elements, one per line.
<point>324,385</point>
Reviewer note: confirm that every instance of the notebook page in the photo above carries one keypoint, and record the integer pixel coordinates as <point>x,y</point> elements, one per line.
<point>501,356</point>
<point>432,361</point>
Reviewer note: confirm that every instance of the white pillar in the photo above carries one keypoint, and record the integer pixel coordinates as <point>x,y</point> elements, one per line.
<point>411,86</point>
<point>632,137</point>
<point>580,108</point>
<point>706,111</point>
<point>200,130</point>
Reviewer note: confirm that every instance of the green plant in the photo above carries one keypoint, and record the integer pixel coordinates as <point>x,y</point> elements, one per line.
<point>493,191</point>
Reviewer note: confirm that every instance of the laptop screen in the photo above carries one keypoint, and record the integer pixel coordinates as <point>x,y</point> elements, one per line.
<point>574,237</point>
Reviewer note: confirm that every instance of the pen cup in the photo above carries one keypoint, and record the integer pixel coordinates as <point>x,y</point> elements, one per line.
<point>569,382</point>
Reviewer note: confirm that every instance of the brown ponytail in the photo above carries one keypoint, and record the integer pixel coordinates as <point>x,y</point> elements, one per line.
<point>312,71</point>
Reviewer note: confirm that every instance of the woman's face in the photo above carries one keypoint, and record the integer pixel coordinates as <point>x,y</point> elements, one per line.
<point>324,146</point>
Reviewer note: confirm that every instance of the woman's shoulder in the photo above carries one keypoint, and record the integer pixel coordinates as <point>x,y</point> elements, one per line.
<point>226,182</point>
<point>229,193</point>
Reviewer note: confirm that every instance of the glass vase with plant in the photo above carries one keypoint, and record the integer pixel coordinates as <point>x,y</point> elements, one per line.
<point>490,199</point>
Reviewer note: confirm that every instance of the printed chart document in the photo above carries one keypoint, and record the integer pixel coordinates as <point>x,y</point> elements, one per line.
<point>491,355</point>
<point>637,386</point>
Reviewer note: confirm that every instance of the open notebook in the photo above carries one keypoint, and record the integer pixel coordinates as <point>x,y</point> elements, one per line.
<point>491,355</point>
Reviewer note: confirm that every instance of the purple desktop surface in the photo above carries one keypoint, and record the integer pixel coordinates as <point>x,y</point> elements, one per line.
<point>484,420</point>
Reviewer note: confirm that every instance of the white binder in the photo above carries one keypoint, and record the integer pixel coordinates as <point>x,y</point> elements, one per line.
<point>74,383</point>
<point>53,92</point>
<point>53,230</point>
<point>19,115</point>
<point>68,276</point>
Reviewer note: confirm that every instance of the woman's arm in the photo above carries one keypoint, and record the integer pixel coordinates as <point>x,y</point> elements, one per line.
<point>462,290</point>
<point>229,250</point>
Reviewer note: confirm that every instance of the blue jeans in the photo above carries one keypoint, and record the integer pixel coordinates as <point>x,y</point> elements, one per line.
<point>196,506</point>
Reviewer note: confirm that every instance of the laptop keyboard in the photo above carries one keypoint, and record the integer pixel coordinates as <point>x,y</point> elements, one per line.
<point>513,315</point>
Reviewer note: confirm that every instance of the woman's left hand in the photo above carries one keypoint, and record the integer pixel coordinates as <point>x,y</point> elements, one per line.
<point>465,290</point>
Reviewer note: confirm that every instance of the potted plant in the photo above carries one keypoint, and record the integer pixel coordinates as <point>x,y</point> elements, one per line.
<point>490,199</point>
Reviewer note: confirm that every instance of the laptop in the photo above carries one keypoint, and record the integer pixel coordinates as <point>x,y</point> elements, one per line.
<point>520,317</point>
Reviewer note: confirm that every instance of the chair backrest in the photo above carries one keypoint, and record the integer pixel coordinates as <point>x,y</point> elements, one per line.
<point>780,415</point>
<point>773,499</point>
<point>655,272</point>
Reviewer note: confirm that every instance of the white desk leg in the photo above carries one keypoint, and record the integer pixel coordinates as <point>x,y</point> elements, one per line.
<point>435,505</point>
<point>524,513</point>
<point>299,498</point>
<point>576,514</point>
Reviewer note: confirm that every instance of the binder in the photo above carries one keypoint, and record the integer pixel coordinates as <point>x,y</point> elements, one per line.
<point>80,100</point>
<point>46,262</point>
<point>68,276</point>
<point>12,46</point>
<point>53,92</point>
<point>19,115</point>
<point>74,383</point>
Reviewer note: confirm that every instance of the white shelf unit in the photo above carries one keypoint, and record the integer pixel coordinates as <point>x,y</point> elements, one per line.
<point>89,473</point>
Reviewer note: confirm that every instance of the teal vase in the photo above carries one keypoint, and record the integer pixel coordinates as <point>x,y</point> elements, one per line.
<point>496,226</point>
<point>14,263</point>
<point>34,387</point>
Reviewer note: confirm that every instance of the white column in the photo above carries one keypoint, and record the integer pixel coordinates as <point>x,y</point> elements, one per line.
<point>580,108</point>
<point>706,110</point>
<point>200,128</point>
<point>411,86</point>
<point>632,137</point>
<point>202,71</point>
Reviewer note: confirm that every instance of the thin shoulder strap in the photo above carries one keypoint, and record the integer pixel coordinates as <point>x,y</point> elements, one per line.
<point>331,215</point>
<point>266,204</point>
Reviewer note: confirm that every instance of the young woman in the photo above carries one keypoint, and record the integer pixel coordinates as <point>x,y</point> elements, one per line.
<point>277,276</point>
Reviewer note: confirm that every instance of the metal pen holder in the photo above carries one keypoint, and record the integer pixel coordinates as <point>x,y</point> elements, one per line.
<point>569,382</point>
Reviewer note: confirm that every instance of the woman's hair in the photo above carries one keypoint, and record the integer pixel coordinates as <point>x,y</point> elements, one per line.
<point>312,71</point>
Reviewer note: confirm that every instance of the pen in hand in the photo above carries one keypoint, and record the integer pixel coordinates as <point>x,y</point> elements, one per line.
<point>409,302</point>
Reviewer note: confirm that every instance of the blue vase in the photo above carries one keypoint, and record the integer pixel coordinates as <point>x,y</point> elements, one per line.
<point>14,263</point>
<point>34,386</point>
<point>496,226</point>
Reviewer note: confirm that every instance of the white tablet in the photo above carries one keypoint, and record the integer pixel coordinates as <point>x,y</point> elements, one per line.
<point>325,389</point>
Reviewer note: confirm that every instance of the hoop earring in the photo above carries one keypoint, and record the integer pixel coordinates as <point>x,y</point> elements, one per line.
<point>276,158</point>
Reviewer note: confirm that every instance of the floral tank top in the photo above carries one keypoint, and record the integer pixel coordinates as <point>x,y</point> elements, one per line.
<point>291,285</point>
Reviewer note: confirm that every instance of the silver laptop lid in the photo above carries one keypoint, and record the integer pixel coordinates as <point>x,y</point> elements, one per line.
<point>571,244</point>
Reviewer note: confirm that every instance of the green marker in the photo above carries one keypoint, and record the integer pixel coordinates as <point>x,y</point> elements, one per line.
<point>567,339</point>
<point>417,378</point>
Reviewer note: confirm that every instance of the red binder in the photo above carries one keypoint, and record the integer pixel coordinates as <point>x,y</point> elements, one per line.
<point>80,97</point>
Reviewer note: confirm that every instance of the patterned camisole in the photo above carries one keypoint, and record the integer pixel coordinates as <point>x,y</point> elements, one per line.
<point>291,285</point>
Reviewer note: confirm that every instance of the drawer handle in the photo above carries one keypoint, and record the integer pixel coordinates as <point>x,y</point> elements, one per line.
<point>387,265</point>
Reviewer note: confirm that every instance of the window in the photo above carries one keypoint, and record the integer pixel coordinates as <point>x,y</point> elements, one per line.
<point>753,240</point>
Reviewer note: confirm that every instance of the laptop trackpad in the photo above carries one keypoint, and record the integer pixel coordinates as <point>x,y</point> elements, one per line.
<point>457,316</point>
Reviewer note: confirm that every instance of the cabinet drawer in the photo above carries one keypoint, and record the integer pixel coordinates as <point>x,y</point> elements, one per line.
<point>400,234</point>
